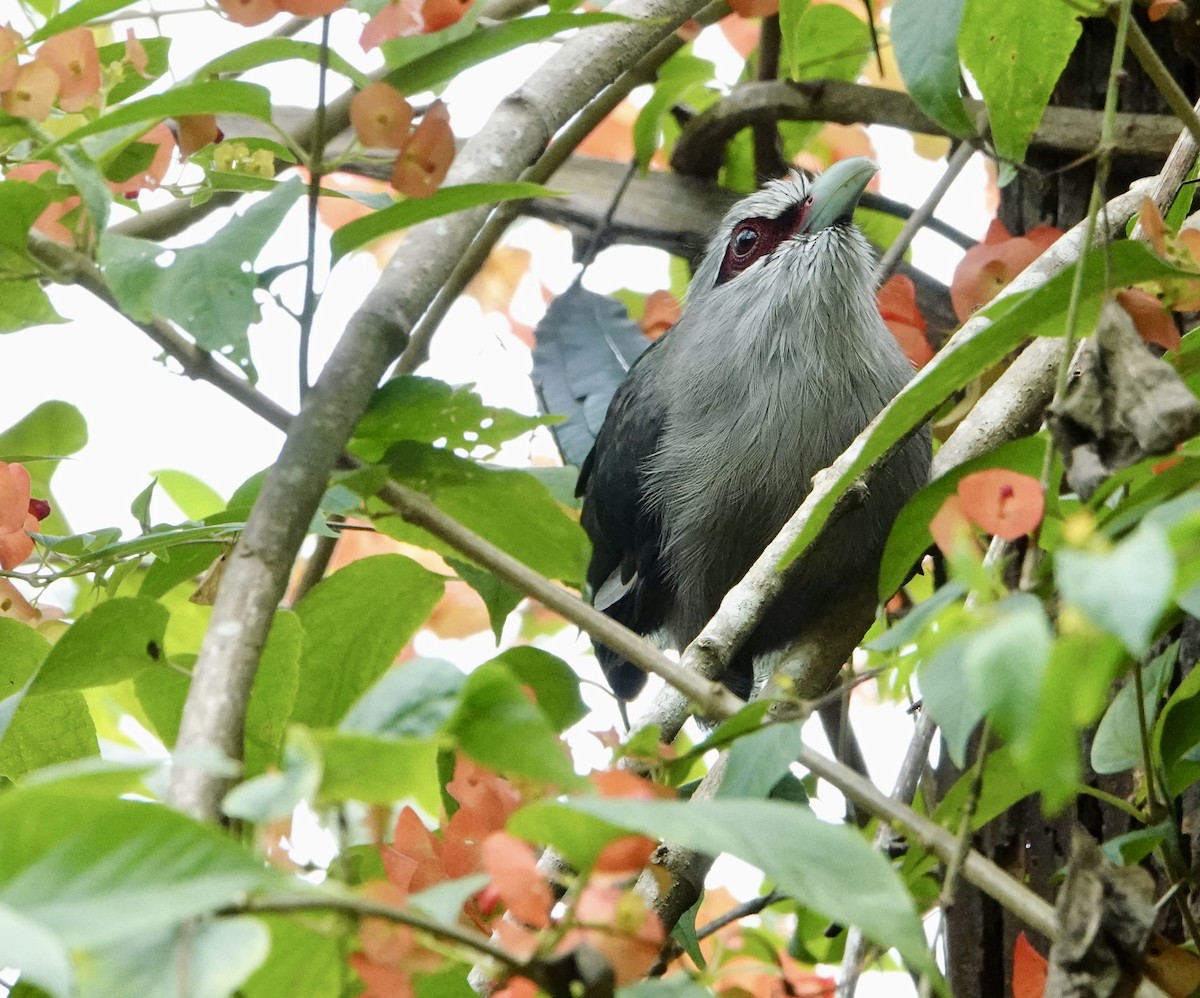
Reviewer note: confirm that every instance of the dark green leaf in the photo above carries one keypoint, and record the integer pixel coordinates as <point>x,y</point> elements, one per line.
<point>445,201</point>
<point>496,725</point>
<point>1124,591</point>
<point>357,621</point>
<point>1118,744</point>
<point>412,699</point>
<point>829,868</point>
<point>1178,733</point>
<point>925,37</point>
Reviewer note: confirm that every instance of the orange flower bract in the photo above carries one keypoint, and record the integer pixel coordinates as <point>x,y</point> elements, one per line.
<point>1004,503</point>
<point>33,92</point>
<point>11,43</point>
<point>426,159</point>
<point>381,117</point>
<point>74,58</point>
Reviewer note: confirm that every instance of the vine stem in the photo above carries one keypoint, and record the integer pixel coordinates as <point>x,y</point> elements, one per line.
<point>316,172</point>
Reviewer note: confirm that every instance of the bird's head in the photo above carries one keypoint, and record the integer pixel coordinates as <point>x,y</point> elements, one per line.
<point>791,245</point>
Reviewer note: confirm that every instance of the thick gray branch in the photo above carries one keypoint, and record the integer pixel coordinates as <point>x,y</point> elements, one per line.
<point>700,149</point>
<point>257,574</point>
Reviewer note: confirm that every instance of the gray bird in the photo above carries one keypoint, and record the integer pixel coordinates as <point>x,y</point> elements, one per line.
<point>779,360</point>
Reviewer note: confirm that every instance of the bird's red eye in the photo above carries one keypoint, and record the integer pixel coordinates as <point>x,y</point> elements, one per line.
<point>745,237</point>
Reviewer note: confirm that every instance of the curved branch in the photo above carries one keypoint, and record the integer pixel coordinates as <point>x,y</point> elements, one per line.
<point>257,574</point>
<point>700,149</point>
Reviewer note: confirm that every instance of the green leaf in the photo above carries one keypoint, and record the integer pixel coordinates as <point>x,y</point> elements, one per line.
<point>791,12</point>
<point>378,770</point>
<point>499,598</point>
<point>994,670</point>
<point>25,305</point>
<point>357,621</point>
<point>1118,744</point>
<point>829,43</point>
<point>195,499</point>
<point>75,15</point>
<point>303,961</point>
<point>1177,734</point>
<point>680,986</point>
<point>1124,591</point>
<point>97,872</point>
<point>909,537</point>
<point>511,509</point>
<point>1013,319</point>
<point>677,78</point>
<point>914,623</point>
<point>46,730</point>
<point>1016,53</point>
<point>924,34</point>
<point>266,51</point>
<point>209,97</point>
<point>206,960</point>
<point>1132,847</point>
<point>759,760</point>
<point>497,726</point>
<point>53,428</point>
<point>33,949</point>
<point>276,682</point>
<point>207,289</point>
<point>157,62</point>
<point>428,410</point>
<point>445,62</point>
<point>411,699</point>
<point>277,794</point>
<point>445,201</point>
<point>828,868</point>
<point>140,507</point>
<point>21,201</point>
<point>114,641</point>
<point>554,683</point>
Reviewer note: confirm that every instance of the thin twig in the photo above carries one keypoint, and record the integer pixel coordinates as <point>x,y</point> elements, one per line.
<point>1149,60</point>
<point>921,215</point>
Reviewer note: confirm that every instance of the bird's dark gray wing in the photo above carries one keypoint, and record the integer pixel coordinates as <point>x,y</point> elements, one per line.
<point>585,345</point>
<point>625,573</point>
